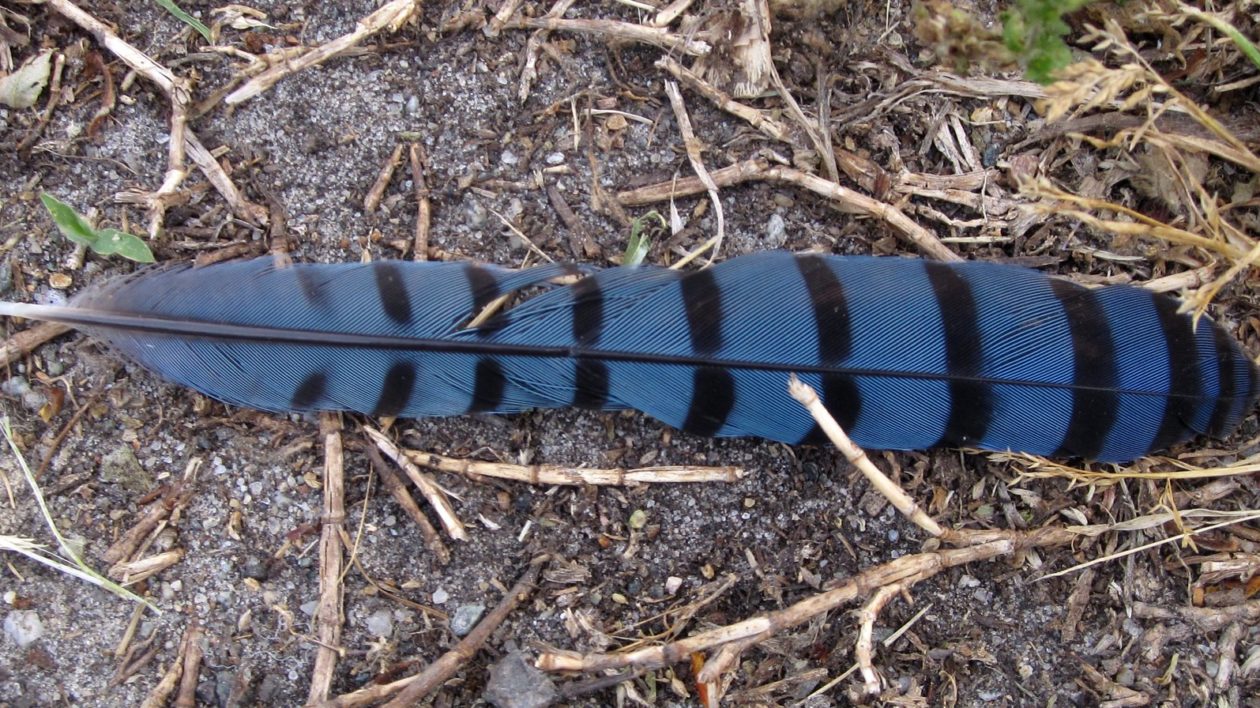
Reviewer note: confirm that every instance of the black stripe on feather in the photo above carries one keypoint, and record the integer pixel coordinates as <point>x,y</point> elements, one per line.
<point>712,398</point>
<point>1095,406</point>
<point>488,386</point>
<point>396,389</point>
<point>1183,371</point>
<point>588,312</point>
<point>702,299</point>
<point>310,391</point>
<point>484,288</point>
<point>392,291</point>
<point>590,380</point>
<point>1223,411</point>
<point>970,401</point>
<point>831,309</point>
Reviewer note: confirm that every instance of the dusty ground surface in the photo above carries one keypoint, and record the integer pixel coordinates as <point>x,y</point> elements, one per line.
<point>312,146</point>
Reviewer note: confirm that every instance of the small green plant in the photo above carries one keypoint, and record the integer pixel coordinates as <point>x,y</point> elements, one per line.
<point>106,242</point>
<point>186,18</point>
<point>1033,31</point>
<point>1031,36</point>
<point>641,230</point>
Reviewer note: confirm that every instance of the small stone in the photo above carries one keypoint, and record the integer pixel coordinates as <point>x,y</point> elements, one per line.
<point>672,583</point>
<point>60,281</point>
<point>23,627</point>
<point>509,158</point>
<point>122,468</point>
<point>555,158</point>
<point>465,618</point>
<point>254,568</point>
<point>309,608</point>
<point>514,683</point>
<point>440,596</point>
<point>380,623</point>
<point>776,231</point>
<point>1126,677</point>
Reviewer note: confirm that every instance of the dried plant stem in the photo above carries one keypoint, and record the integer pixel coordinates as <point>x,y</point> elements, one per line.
<point>532,48</point>
<point>424,208</point>
<point>190,656</point>
<point>328,614</point>
<point>412,689</point>
<point>390,16</point>
<point>177,90</point>
<point>372,199</point>
<point>24,342</point>
<point>756,118</point>
<point>579,476</point>
<point>845,199</point>
<point>398,490</point>
<point>613,29</point>
<point>856,456</point>
<point>186,663</point>
<point>862,649</point>
<point>434,494</point>
<point>906,570</point>
<point>693,146</point>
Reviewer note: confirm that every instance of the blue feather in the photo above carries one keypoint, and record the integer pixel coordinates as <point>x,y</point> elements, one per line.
<point>908,354</point>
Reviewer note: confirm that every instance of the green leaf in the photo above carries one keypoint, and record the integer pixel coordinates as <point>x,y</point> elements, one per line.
<point>1033,30</point>
<point>73,226</point>
<point>640,237</point>
<point>106,242</point>
<point>186,18</point>
<point>127,245</point>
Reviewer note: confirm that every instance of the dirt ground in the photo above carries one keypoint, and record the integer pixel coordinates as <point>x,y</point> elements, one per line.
<point>308,151</point>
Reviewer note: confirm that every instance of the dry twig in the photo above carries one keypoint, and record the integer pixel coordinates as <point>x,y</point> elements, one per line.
<point>431,491</point>
<point>328,615</point>
<point>580,476</point>
<point>412,689</point>
<point>390,16</point>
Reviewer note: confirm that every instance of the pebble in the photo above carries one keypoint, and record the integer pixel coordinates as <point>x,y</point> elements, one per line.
<point>253,567</point>
<point>465,618</point>
<point>440,596</point>
<point>515,683</point>
<point>309,608</point>
<point>509,158</point>
<point>18,387</point>
<point>776,231</point>
<point>23,627</point>
<point>555,158</point>
<point>380,623</point>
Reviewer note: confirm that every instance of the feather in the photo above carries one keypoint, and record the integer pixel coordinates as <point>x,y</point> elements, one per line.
<point>908,354</point>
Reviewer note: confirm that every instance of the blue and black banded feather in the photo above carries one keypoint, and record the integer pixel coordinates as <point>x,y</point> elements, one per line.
<point>908,354</point>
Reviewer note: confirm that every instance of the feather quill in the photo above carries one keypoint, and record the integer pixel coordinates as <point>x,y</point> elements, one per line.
<point>908,354</point>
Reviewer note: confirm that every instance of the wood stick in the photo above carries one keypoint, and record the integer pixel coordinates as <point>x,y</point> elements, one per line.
<point>398,490</point>
<point>24,342</point>
<point>856,456</point>
<point>692,145</point>
<point>657,36</point>
<point>424,208</point>
<point>862,648</point>
<point>414,688</point>
<point>190,657</point>
<point>390,16</point>
<point>845,198</point>
<point>431,491</point>
<point>329,615</point>
<point>580,476</point>
<point>373,198</point>
<point>906,570</point>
